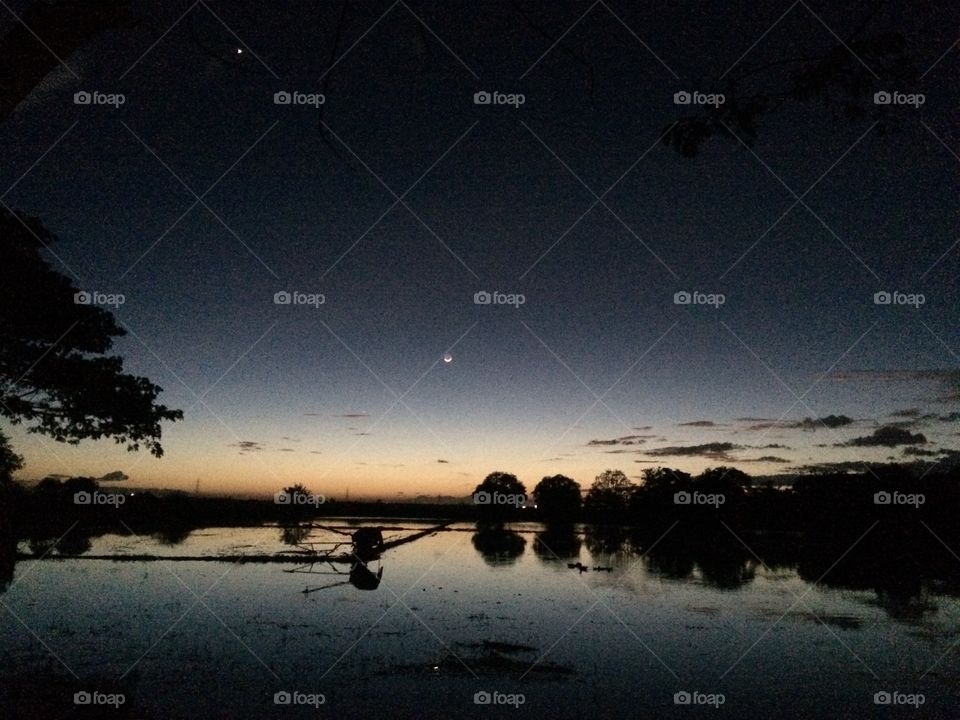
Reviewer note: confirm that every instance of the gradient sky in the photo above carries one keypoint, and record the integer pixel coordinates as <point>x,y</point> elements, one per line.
<point>500,198</point>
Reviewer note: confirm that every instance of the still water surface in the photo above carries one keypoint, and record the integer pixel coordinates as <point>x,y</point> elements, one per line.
<point>459,613</point>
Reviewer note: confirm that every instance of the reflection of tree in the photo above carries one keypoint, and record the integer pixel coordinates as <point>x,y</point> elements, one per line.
<point>669,563</point>
<point>172,534</point>
<point>723,564</point>
<point>293,533</point>
<point>605,539</point>
<point>497,545</point>
<point>906,603</point>
<point>726,571</point>
<point>74,542</point>
<point>8,551</point>
<point>41,545</point>
<point>557,541</point>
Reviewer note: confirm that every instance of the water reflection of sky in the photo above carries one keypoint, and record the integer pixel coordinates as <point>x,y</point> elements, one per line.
<point>520,621</point>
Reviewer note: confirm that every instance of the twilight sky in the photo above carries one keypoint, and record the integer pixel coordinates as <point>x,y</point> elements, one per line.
<point>200,198</point>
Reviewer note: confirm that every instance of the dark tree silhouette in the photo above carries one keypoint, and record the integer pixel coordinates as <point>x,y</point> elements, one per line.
<point>296,491</point>
<point>54,370</point>
<point>498,485</point>
<point>497,545</point>
<point>557,541</point>
<point>10,462</point>
<point>609,494</point>
<point>557,498</point>
<point>727,480</point>
<point>663,477</point>
<point>841,81</point>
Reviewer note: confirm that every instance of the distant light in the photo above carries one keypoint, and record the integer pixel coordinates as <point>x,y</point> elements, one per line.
<point>239,51</point>
<point>447,358</point>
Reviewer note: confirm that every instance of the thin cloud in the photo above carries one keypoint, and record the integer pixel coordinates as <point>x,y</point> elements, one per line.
<point>809,424</point>
<point>248,446</point>
<point>625,440</point>
<point>886,436</point>
<point>714,451</point>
